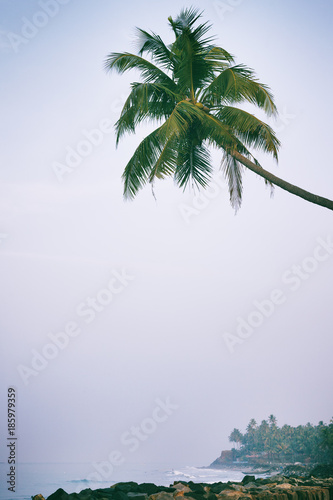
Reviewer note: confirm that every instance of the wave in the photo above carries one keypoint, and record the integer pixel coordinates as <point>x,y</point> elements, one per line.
<point>180,473</point>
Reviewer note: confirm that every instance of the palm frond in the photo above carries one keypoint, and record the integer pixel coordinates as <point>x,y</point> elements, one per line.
<point>125,61</point>
<point>217,133</point>
<point>155,155</point>
<point>232,170</point>
<point>185,20</point>
<point>237,84</point>
<point>193,164</point>
<point>249,129</point>
<point>218,58</point>
<point>207,126</point>
<point>181,118</point>
<point>139,167</point>
<point>146,100</point>
<point>154,45</point>
<point>191,70</point>
<point>166,163</point>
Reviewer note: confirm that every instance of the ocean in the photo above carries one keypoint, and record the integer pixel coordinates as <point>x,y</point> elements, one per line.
<point>46,478</point>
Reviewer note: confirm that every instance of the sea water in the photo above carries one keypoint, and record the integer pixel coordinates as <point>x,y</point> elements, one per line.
<point>46,478</point>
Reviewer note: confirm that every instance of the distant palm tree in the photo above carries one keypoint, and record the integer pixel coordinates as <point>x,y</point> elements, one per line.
<point>272,420</point>
<point>274,439</point>
<point>190,88</point>
<point>263,436</point>
<point>252,425</point>
<point>251,437</point>
<point>327,440</point>
<point>236,437</point>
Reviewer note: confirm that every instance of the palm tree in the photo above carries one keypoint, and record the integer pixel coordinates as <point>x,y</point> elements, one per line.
<point>272,420</point>
<point>263,436</point>
<point>327,440</point>
<point>251,436</point>
<point>190,88</point>
<point>274,436</point>
<point>236,437</point>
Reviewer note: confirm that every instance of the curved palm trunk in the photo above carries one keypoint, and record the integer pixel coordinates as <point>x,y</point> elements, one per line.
<point>306,195</point>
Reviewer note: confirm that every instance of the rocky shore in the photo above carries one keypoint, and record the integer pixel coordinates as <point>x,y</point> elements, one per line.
<point>277,487</point>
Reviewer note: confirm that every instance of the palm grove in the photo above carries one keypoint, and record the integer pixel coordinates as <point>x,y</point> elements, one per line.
<point>313,443</point>
<point>191,88</point>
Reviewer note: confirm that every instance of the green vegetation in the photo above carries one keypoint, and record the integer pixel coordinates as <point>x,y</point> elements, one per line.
<point>192,89</point>
<point>270,443</point>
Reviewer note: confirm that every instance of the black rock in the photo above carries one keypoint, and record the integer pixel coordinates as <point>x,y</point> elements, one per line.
<point>105,494</point>
<point>196,487</point>
<point>248,479</point>
<point>118,495</point>
<point>83,495</point>
<point>151,488</point>
<point>295,470</point>
<point>218,487</point>
<point>126,487</point>
<point>322,471</point>
<point>194,494</point>
<point>137,495</point>
<point>211,496</point>
<point>60,494</point>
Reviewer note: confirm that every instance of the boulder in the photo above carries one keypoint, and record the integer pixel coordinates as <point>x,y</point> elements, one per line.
<point>198,487</point>
<point>248,479</point>
<point>88,494</point>
<point>219,487</point>
<point>237,487</point>
<point>322,471</point>
<point>284,486</point>
<point>151,488</point>
<point>181,487</point>
<point>272,495</point>
<point>162,495</point>
<point>126,487</point>
<point>115,494</point>
<point>137,496</point>
<point>194,495</point>
<point>60,494</point>
<point>314,492</point>
<point>233,495</point>
<point>210,496</point>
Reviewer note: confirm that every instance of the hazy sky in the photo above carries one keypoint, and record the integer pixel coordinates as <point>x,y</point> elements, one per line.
<point>118,316</point>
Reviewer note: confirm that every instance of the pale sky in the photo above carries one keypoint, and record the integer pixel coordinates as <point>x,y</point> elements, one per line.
<point>110,309</point>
